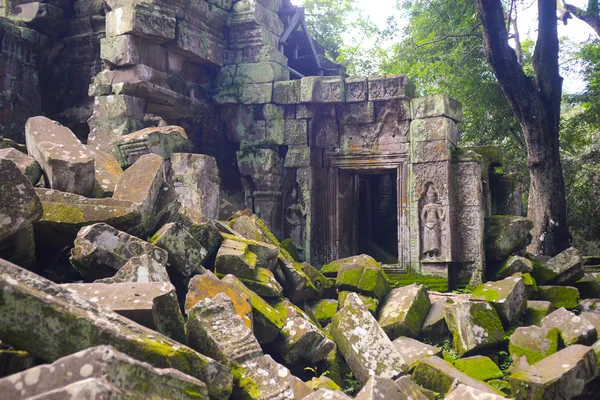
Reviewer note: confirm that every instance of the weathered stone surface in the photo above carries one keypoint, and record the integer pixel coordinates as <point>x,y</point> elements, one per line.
<point>266,254</point>
<point>411,390</point>
<point>507,296</point>
<point>479,367</point>
<point>15,361</point>
<point>207,286</point>
<point>434,325</point>
<point>436,106</point>
<point>403,311</point>
<point>588,286</point>
<point>145,20</point>
<point>38,316</point>
<point>19,204</point>
<point>107,172</point>
<point>414,351</point>
<point>362,274</point>
<point>267,320</point>
<point>100,250</point>
<point>592,318</point>
<point>263,283</point>
<point>325,286</point>
<point>263,378</point>
<point>327,394</point>
<point>533,344</point>
<point>68,165</point>
<point>438,375</point>
<point>235,258</point>
<point>208,236</point>
<point>144,268</point>
<point>464,392</point>
<point>505,234</point>
<point>536,310</point>
<point>513,265</point>
<point>590,305</point>
<point>186,255</point>
<point>378,388</point>
<point>153,305</point>
<point>27,164</point>
<point>564,269</point>
<point>162,141</point>
<point>573,328</point>
<point>322,382</point>
<point>559,296</point>
<point>371,303</point>
<point>86,389</point>
<point>300,337</point>
<point>322,310</point>
<point>109,365</point>
<point>560,376</point>
<point>474,325</point>
<point>197,183</point>
<point>66,213</point>
<point>365,346</point>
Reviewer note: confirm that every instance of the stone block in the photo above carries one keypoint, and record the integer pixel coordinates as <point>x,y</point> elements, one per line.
<point>38,316</point>
<point>27,164</point>
<point>163,141</point>
<point>324,133</point>
<point>255,14</point>
<point>371,303</point>
<point>464,392</point>
<point>19,248</point>
<point>47,18</point>
<point>573,328</point>
<point>153,305</point>
<point>513,265</point>
<point>287,92</point>
<point>588,287</point>
<point>356,90</point>
<point>186,255</point>
<point>593,318</point>
<point>431,129</point>
<point>536,310</point>
<point>244,37</point>
<point>378,388</point>
<point>559,296</point>
<point>260,54</point>
<point>560,376</point>
<point>432,151</point>
<point>437,106</point>
<point>197,44</point>
<point>479,367</point>
<point>263,378</point>
<point>322,310</point>
<point>107,172</point>
<point>356,113</point>
<point>149,21</point>
<point>434,325</point>
<point>19,204</point>
<point>474,325</point>
<point>275,125</point>
<point>296,132</point>
<point>128,50</point>
<point>317,89</point>
<point>299,156</point>
<point>108,365</point>
<point>262,72</point>
<point>533,344</point>
<point>386,87</point>
<point>327,394</point>
<point>508,297</point>
<point>144,268</point>
<point>564,269</point>
<point>505,234</point>
<point>68,166</point>
<point>365,346</point>
<point>235,258</point>
<point>403,311</point>
<point>414,351</point>
<point>255,93</point>
<point>362,274</point>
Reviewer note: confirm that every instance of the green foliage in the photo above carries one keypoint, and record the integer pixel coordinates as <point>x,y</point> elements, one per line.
<point>351,385</point>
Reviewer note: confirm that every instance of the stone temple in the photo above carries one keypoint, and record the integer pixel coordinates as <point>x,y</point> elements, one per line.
<point>338,165</point>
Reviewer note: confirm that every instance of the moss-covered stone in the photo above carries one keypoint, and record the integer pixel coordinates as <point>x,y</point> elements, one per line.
<point>563,269</point>
<point>403,311</point>
<point>512,265</point>
<point>559,296</point>
<point>573,328</point>
<point>371,303</point>
<point>588,287</point>
<point>322,310</point>
<point>479,367</point>
<point>362,274</point>
<point>536,310</point>
<point>414,351</point>
<point>431,282</point>
<point>505,234</point>
<point>533,343</point>
<point>507,296</point>
<point>325,287</point>
<point>323,382</point>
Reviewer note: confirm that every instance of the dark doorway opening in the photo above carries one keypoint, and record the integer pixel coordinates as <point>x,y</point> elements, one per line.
<point>378,215</point>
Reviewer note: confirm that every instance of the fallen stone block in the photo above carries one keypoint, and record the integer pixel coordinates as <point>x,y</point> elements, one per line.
<point>439,376</point>
<point>107,172</point>
<point>479,367</point>
<point>235,258</point>
<point>322,310</point>
<point>325,286</point>
<point>19,204</point>
<point>403,311</point>
<point>100,250</point>
<point>474,325</point>
<point>414,351</point>
<point>162,141</point>
<point>533,343</point>
<point>413,391</point>
<point>378,388</point>
<point>91,388</point>
<point>513,265</point>
<point>365,346</point>
<point>588,287</point>
<point>109,365</point>
<point>39,316</point>
<point>263,378</point>
<point>68,165</point>
<point>590,305</point>
<point>536,310</point>
<point>266,254</point>
<point>592,318</point>
<point>153,305</point>
<point>197,183</point>
<point>507,296</point>
<point>64,214</point>
<point>322,382</point>
<point>434,326</point>
<point>362,274</point>
<point>371,303</point>
<point>560,376</point>
<point>186,255</point>
<point>464,392</point>
<point>563,269</point>
<point>27,164</point>
<point>208,236</point>
<point>573,328</point>
<point>264,284</point>
<point>559,296</point>
<point>505,234</point>
<point>327,394</point>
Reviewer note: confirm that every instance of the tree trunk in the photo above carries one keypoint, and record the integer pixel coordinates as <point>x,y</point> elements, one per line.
<point>536,102</point>
<point>589,16</point>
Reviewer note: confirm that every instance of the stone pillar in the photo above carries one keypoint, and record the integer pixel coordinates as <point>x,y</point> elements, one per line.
<point>433,137</point>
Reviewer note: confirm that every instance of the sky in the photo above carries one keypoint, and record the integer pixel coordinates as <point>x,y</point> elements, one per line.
<point>576,30</point>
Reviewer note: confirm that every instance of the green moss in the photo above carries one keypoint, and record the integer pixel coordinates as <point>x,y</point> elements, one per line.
<point>478,367</point>
<point>559,296</point>
<point>325,310</point>
<point>244,387</point>
<point>501,385</point>
<point>62,213</point>
<point>488,294</point>
<point>552,346</point>
<point>431,282</point>
<point>291,248</point>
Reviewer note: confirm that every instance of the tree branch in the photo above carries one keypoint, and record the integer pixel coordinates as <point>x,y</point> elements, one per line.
<point>588,16</point>
<point>446,37</point>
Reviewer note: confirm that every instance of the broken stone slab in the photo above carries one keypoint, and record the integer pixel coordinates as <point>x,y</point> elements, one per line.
<point>563,269</point>
<point>215,329</point>
<point>197,183</point>
<point>513,265</point>
<point>327,394</point>
<point>144,268</point>
<point>266,254</point>
<point>559,296</point>
<point>403,311</point>
<point>264,284</point>
<point>592,318</point>
<point>533,343</point>
<point>362,274</point>
<point>464,392</point>
<point>207,286</point>
<point>479,367</point>
<point>100,250</point>
<point>536,310</point>
<point>325,286</point>
<point>162,141</point>
<point>560,376</point>
<point>37,315</point>
<point>267,320</point>
<point>107,172</point>
<point>322,310</point>
<point>153,305</point>
<point>66,213</point>
<point>19,204</point>
<point>573,328</point>
<point>301,389</point>
<point>91,388</point>
<point>379,388</point>
<point>414,351</point>
<point>371,303</point>
<point>588,286</point>
<point>322,382</point>
<point>365,346</point>
<point>263,378</point>
<point>186,255</point>
<point>207,235</point>
<point>235,258</point>
<point>68,165</point>
<point>114,367</point>
<point>438,375</point>
<point>413,391</point>
<point>474,325</point>
<point>434,326</point>
<point>508,297</point>
<point>505,234</point>
<point>27,164</point>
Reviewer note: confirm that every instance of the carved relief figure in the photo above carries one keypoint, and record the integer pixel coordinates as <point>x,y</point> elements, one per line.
<point>432,216</point>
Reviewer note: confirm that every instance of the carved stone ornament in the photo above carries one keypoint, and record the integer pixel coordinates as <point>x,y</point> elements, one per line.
<point>432,215</point>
